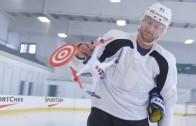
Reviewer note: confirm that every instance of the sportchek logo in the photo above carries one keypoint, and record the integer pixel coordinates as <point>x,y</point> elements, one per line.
<point>51,105</point>
<point>6,105</point>
<point>10,101</point>
<point>54,101</point>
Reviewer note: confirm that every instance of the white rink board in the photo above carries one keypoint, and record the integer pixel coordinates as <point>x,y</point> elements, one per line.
<point>64,112</point>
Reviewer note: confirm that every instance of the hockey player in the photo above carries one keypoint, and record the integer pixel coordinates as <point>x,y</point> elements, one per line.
<point>142,85</point>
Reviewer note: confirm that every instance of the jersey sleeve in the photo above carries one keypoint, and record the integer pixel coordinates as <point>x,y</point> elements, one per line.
<point>169,93</point>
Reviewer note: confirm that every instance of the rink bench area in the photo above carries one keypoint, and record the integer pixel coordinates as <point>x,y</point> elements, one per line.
<point>15,104</point>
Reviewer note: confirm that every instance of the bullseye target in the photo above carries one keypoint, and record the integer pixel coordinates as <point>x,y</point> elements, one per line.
<point>63,55</point>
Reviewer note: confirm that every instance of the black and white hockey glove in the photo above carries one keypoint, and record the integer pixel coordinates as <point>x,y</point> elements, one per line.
<point>156,108</point>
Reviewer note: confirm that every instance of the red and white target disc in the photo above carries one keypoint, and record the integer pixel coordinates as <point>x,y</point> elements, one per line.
<point>63,55</point>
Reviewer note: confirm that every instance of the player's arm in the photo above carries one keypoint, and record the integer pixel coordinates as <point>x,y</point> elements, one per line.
<point>169,93</point>
<point>85,49</point>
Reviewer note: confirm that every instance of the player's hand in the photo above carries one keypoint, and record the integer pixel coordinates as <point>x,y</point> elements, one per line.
<point>156,108</point>
<point>84,50</point>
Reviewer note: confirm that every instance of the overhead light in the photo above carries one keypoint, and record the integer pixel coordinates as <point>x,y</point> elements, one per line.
<point>121,22</point>
<point>62,35</point>
<point>189,41</point>
<point>43,19</point>
<point>115,1</point>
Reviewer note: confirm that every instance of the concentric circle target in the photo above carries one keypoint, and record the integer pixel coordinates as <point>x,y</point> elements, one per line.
<point>63,55</point>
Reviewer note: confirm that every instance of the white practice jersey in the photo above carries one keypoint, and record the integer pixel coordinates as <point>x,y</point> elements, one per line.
<point>125,90</point>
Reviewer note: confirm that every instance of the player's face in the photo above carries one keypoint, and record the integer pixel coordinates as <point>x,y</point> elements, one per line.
<point>151,29</point>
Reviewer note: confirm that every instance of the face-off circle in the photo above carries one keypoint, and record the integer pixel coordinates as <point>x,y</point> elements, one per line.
<point>63,55</point>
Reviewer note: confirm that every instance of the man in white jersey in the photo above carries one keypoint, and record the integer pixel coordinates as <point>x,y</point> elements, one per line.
<point>142,65</point>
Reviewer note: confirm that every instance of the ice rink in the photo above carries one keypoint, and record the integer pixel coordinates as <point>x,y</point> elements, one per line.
<point>67,118</point>
<point>42,40</point>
